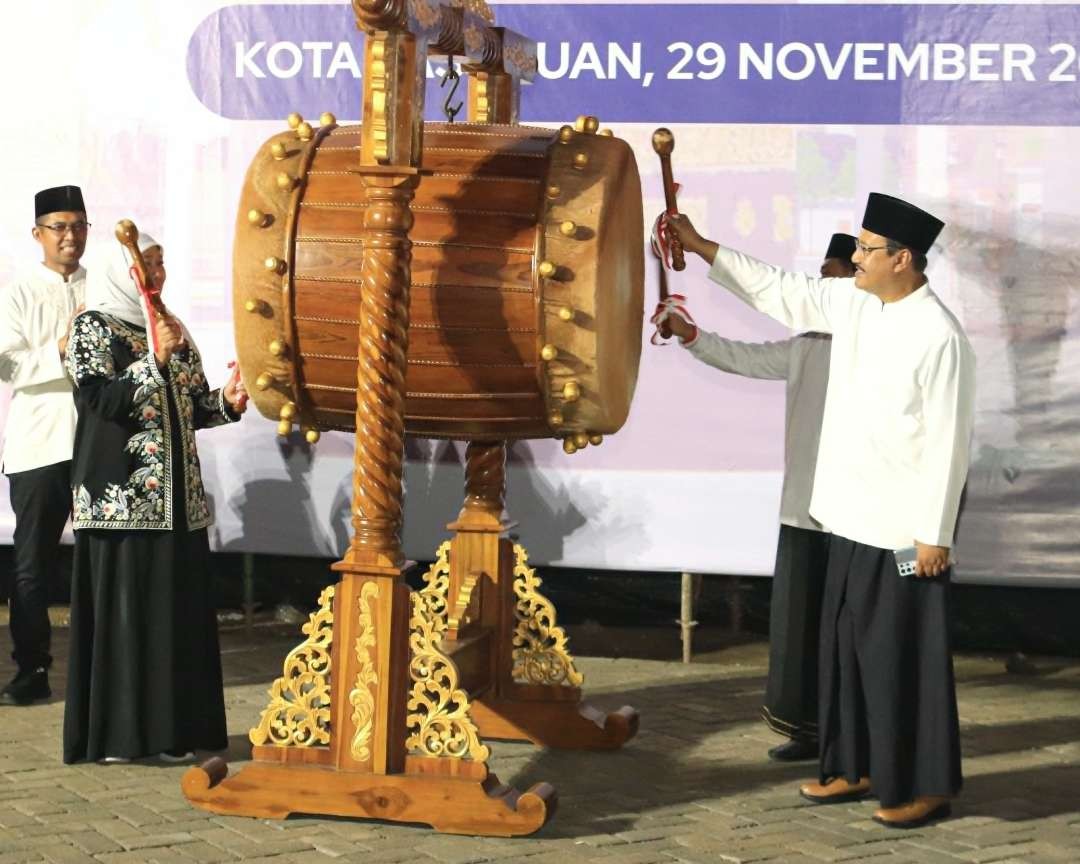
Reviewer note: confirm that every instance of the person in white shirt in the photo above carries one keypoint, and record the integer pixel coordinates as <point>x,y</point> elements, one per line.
<point>892,462</point>
<point>35,318</point>
<point>802,549</point>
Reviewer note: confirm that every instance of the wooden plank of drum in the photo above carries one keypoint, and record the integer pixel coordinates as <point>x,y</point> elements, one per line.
<point>432,225</point>
<point>475,406</point>
<point>449,305</point>
<point>478,161</point>
<point>526,139</point>
<point>465,190</point>
<point>496,194</point>
<point>326,378</point>
<point>451,265</point>
<point>442,264</point>
<point>333,187</point>
<point>464,345</point>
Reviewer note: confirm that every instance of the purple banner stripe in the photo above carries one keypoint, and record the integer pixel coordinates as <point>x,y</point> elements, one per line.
<point>956,65</point>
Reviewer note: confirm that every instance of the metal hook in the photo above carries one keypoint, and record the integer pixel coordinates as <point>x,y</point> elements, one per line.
<point>451,111</point>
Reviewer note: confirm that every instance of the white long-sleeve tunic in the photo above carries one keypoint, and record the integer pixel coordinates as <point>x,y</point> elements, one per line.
<point>803,362</point>
<point>34,314</point>
<point>896,434</point>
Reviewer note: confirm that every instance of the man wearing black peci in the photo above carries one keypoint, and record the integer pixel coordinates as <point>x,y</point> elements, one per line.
<point>35,317</point>
<point>891,467</point>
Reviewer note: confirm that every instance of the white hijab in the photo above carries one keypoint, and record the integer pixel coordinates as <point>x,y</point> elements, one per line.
<point>110,287</point>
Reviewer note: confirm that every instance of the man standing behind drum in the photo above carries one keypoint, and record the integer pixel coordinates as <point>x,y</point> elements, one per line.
<point>791,703</point>
<point>35,318</point>
<point>892,462</point>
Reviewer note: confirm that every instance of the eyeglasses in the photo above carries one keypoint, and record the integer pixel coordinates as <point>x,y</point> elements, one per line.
<point>61,228</point>
<point>866,250</point>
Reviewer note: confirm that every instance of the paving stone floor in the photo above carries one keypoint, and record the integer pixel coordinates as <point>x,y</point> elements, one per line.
<point>694,786</point>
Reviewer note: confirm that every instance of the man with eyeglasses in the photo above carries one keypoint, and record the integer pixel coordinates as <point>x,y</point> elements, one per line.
<point>891,467</point>
<point>790,706</point>
<point>35,318</point>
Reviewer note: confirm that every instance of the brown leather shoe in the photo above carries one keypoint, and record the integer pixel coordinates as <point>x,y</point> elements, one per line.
<point>835,791</point>
<point>915,814</point>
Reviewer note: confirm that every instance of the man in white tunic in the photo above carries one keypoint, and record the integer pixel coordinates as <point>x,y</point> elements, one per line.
<point>35,317</point>
<point>891,467</point>
<point>791,703</point>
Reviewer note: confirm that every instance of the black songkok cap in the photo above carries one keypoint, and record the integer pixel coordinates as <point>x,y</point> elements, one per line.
<point>59,199</point>
<point>905,223</point>
<point>841,246</point>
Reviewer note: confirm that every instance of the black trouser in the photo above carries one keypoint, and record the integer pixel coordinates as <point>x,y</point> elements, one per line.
<point>888,697</point>
<point>41,499</point>
<point>791,694</point>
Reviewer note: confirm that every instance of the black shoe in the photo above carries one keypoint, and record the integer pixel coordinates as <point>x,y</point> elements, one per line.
<point>27,688</point>
<point>794,751</point>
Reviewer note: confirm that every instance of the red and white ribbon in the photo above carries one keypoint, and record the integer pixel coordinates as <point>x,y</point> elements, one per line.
<point>672,305</point>
<point>234,378</point>
<point>660,239</point>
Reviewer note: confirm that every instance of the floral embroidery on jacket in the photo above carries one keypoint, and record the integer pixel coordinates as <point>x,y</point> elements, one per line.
<point>143,499</point>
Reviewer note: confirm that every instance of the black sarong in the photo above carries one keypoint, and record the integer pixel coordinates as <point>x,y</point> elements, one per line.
<point>144,668</point>
<point>888,697</point>
<point>791,694</point>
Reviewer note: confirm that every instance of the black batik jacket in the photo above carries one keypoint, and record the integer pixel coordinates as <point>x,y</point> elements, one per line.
<point>122,466</point>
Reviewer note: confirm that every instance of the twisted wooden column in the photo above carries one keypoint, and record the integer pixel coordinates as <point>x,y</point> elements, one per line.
<point>380,394</point>
<point>485,476</point>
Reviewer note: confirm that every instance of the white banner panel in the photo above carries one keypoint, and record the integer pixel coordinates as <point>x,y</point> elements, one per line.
<point>781,131</point>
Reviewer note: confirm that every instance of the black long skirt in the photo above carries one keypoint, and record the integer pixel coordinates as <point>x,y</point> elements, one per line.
<point>144,673</point>
<point>888,696</point>
<point>791,694</point>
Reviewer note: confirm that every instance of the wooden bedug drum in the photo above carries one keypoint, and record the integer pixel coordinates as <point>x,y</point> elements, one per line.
<point>526,291</point>
<point>473,281</point>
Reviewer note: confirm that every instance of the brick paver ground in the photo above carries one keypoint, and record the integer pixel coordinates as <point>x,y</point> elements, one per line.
<point>694,786</point>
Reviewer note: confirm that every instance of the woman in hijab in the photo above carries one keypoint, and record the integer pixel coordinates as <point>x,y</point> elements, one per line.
<point>144,672</point>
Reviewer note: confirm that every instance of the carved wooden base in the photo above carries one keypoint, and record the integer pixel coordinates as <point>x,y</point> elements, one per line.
<point>560,725</point>
<point>453,805</point>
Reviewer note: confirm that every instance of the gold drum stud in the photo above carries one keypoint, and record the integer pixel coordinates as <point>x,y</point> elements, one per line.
<point>566,313</point>
<point>549,352</point>
<point>274,265</point>
<point>569,447</point>
<point>256,217</point>
<point>288,411</point>
<point>285,182</point>
<point>278,150</point>
<point>276,347</point>
<point>555,418</point>
<point>294,120</point>
<point>284,428</point>
<point>568,228</point>
<point>607,133</point>
<point>587,124</point>
<point>596,440</point>
<point>312,435</point>
<point>546,269</point>
<point>581,440</point>
<point>581,160</point>
<point>327,119</point>
<point>566,134</point>
<point>264,380</point>
<point>252,305</point>
<point>553,192</point>
<point>304,132</point>
<point>571,392</point>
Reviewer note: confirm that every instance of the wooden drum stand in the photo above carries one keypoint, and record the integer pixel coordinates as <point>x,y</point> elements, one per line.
<point>380,712</point>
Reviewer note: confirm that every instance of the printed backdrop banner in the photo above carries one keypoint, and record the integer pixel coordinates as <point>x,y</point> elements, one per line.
<point>785,116</point>
<point>689,63</point>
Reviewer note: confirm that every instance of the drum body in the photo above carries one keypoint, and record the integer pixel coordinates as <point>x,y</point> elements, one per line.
<point>527,277</point>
